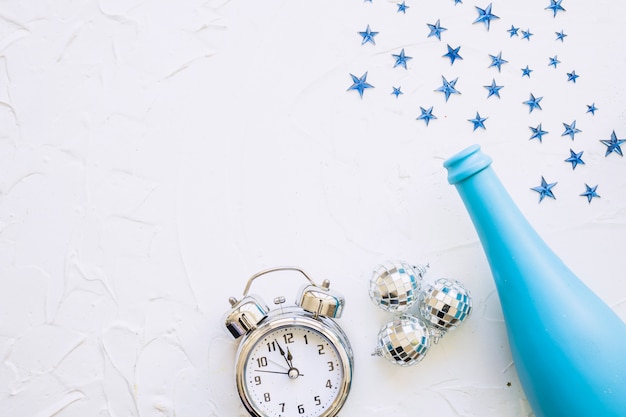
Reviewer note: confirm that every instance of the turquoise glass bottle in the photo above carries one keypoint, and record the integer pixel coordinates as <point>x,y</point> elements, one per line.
<point>568,346</point>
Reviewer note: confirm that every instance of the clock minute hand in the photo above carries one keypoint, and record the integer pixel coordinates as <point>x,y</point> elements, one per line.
<point>282,352</point>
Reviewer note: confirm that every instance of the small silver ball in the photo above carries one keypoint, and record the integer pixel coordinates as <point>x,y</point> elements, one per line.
<point>403,341</point>
<point>395,285</point>
<point>445,305</point>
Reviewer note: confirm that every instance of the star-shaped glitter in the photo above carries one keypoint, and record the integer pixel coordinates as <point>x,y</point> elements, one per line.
<point>427,115</point>
<point>571,76</point>
<point>555,6</point>
<point>360,84</point>
<point>436,29</point>
<point>560,36</point>
<point>533,103</point>
<point>368,36</point>
<point>538,132</point>
<point>590,193</point>
<point>591,108</point>
<point>497,61</point>
<point>485,16</point>
<point>457,2</point>
<point>401,59</point>
<point>396,91</point>
<point>478,121</point>
<point>513,31</point>
<point>554,61</point>
<point>526,34</point>
<point>493,89</point>
<point>402,7</point>
<point>545,189</point>
<point>613,145</point>
<point>526,71</point>
<point>570,129</point>
<point>575,158</point>
<point>453,54</point>
<point>448,87</point>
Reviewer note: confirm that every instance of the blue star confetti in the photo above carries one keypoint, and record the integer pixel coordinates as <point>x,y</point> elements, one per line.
<point>572,76</point>
<point>497,61</point>
<point>368,36</point>
<point>360,84</point>
<point>485,16</point>
<point>533,103</point>
<point>401,59</point>
<point>591,108</point>
<point>526,34</point>
<point>545,190</point>
<point>613,145</point>
<point>554,61</point>
<point>493,89</point>
<point>590,193</point>
<point>570,130</point>
<point>427,115</point>
<point>453,54</point>
<point>538,132</point>
<point>575,158</point>
<point>448,87</point>
<point>478,121</point>
<point>555,6</point>
<point>436,29</point>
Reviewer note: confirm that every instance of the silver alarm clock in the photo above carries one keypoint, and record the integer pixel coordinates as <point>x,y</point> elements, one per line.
<point>294,360</point>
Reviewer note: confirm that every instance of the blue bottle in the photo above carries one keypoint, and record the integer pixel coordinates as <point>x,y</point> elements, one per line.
<point>568,346</point>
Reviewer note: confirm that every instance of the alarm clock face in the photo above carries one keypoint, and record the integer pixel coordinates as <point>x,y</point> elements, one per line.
<point>295,370</point>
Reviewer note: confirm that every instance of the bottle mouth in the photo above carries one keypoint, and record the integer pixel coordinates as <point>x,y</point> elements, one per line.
<point>466,163</point>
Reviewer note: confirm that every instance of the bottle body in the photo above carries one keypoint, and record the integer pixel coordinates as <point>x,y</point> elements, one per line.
<point>569,347</point>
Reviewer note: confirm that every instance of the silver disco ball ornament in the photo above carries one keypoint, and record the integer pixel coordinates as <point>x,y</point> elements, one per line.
<point>403,341</point>
<point>395,285</point>
<point>445,304</point>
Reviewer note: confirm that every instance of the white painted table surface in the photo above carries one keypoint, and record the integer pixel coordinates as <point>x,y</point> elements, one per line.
<point>155,154</point>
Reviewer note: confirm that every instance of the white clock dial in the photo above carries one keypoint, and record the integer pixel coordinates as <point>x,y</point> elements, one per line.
<point>293,371</point>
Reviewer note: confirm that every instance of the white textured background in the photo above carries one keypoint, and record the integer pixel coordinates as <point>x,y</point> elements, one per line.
<point>155,154</point>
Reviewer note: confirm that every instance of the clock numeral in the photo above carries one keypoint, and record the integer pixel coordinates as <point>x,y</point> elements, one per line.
<point>306,340</point>
<point>301,409</point>
<point>261,362</point>
<point>282,407</point>
<point>271,347</point>
<point>257,380</point>
<point>288,338</point>
<point>329,384</point>
<point>317,400</point>
<point>320,349</point>
<point>331,366</point>
<point>266,397</point>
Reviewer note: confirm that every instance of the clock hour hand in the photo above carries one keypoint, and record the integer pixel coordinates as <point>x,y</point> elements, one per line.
<point>282,352</point>
<point>293,371</point>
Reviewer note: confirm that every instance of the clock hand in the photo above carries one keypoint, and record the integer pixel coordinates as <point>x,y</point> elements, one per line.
<point>293,372</point>
<point>282,352</point>
<point>272,372</point>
